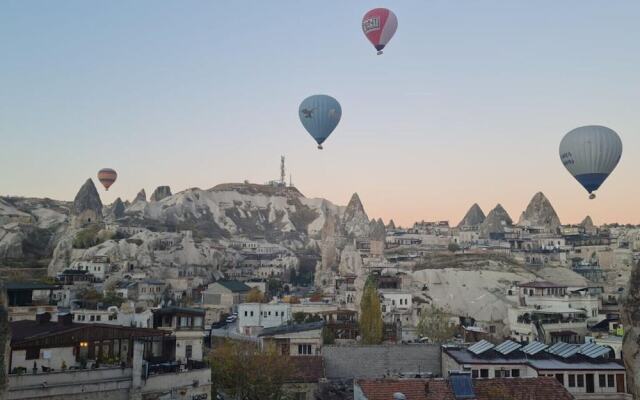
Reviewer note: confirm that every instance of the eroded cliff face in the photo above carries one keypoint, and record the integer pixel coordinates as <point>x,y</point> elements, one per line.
<point>631,342</point>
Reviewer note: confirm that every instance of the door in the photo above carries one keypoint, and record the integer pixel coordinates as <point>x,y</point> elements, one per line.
<point>590,383</point>
<point>620,383</point>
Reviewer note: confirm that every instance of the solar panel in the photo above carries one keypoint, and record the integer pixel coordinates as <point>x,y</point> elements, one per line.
<point>557,348</point>
<point>533,348</point>
<point>593,350</point>
<point>462,386</point>
<point>481,347</point>
<point>507,347</point>
<point>564,350</point>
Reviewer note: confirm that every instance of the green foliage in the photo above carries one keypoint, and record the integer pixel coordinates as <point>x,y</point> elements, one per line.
<point>112,299</point>
<point>327,336</point>
<point>303,318</point>
<point>435,324</point>
<point>91,236</point>
<point>453,247</point>
<point>371,324</point>
<point>243,372</point>
<point>255,296</point>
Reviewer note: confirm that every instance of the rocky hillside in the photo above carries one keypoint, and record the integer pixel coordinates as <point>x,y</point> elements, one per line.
<point>540,213</point>
<point>496,222</point>
<point>197,225</point>
<point>473,218</point>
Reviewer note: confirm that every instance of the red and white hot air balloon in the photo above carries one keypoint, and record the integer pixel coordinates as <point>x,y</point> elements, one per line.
<point>107,176</point>
<point>378,26</point>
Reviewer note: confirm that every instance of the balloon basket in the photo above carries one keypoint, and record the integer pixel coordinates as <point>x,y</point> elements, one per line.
<point>319,147</point>
<point>379,52</point>
<point>592,196</point>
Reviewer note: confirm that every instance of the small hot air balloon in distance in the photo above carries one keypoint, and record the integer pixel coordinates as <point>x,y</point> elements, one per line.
<point>378,26</point>
<point>591,153</point>
<point>320,115</point>
<point>107,176</point>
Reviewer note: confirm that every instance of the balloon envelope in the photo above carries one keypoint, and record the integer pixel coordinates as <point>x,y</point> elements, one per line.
<point>320,115</point>
<point>591,153</point>
<point>379,25</point>
<point>107,176</point>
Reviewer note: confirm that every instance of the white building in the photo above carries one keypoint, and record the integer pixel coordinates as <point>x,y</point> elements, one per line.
<point>584,370</point>
<point>253,317</point>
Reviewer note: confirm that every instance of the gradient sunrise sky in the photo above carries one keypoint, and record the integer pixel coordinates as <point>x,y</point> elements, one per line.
<point>468,103</point>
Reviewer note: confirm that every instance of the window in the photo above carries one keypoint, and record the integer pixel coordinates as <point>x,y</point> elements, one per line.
<point>572,380</point>
<point>188,352</point>
<point>501,373</point>
<point>610,380</point>
<point>98,317</point>
<point>276,313</point>
<point>492,329</point>
<point>580,380</point>
<point>246,313</point>
<point>474,373</point>
<point>304,349</point>
<point>33,353</point>
<point>515,373</point>
<point>92,318</point>
<point>484,373</point>
<point>252,313</point>
<point>602,380</point>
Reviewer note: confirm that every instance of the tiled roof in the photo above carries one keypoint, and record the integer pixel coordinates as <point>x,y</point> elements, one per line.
<point>306,369</point>
<point>540,388</point>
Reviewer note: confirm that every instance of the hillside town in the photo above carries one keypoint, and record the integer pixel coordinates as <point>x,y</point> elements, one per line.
<point>151,299</point>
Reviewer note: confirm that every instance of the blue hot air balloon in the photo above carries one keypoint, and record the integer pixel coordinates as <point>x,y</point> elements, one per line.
<point>591,153</point>
<point>320,115</point>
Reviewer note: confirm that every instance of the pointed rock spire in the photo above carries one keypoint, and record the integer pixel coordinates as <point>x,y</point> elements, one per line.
<point>473,218</point>
<point>391,225</point>
<point>141,196</point>
<point>496,221</point>
<point>118,208</point>
<point>540,213</point>
<point>87,199</point>
<point>160,193</point>
<point>355,220</point>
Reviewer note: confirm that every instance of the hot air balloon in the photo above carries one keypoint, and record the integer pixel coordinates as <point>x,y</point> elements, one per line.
<point>320,115</point>
<point>379,25</point>
<point>591,153</point>
<point>107,176</point>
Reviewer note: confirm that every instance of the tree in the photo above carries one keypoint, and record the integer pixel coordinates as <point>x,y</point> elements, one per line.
<point>245,373</point>
<point>328,337</point>
<point>371,325</point>
<point>255,296</point>
<point>434,324</point>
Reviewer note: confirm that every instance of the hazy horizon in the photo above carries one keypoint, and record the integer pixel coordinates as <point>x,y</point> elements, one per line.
<point>468,103</point>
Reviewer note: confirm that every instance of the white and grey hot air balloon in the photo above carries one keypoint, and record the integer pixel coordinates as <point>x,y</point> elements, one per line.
<point>591,153</point>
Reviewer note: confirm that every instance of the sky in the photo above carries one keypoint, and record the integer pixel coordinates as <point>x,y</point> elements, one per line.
<point>467,104</point>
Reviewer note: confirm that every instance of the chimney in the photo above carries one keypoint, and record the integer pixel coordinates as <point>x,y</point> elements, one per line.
<point>43,317</point>
<point>65,319</point>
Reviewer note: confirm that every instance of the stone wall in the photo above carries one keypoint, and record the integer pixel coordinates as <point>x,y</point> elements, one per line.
<point>349,362</point>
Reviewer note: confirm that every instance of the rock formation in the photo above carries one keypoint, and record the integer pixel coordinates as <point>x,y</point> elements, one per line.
<point>141,196</point>
<point>87,206</point>
<point>160,193</point>
<point>588,226</point>
<point>495,222</point>
<point>117,209</point>
<point>391,225</point>
<point>355,220</point>
<point>631,322</point>
<point>473,218</point>
<point>540,213</point>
